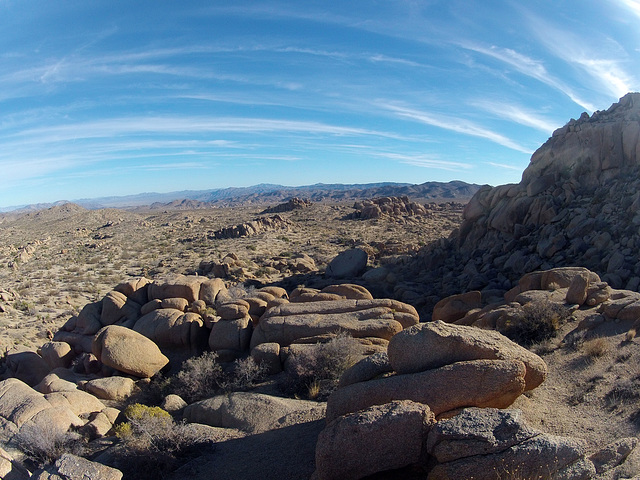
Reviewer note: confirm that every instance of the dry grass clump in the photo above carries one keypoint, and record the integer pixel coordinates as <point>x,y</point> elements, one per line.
<point>43,444</point>
<point>539,322</point>
<point>597,348</point>
<point>315,373</point>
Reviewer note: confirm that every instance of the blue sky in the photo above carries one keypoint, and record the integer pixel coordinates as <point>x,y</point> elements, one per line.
<point>111,97</point>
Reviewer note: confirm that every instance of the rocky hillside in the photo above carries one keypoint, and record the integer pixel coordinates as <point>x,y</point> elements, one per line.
<point>578,204</point>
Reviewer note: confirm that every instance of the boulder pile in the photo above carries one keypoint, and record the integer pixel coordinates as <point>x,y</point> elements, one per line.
<point>438,402</point>
<point>254,227</point>
<point>294,203</point>
<point>577,204</point>
<point>387,206</point>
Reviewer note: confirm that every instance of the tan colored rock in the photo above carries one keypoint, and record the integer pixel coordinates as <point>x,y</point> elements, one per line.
<point>173,404</point>
<point>182,286</point>
<point>135,289</point>
<point>71,467</point>
<point>349,263</point>
<point>98,426</point>
<point>19,402</point>
<point>150,307</point>
<point>289,322</point>
<point>349,290</point>
<point>79,402</point>
<point>56,354</point>
<point>111,388</point>
<point>128,351</point>
<point>232,335</point>
<point>380,438</point>
<point>26,365</point>
<point>209,290</point>
<point>175,303</point>
<point>486,444</point>
<point>455,307</point>
<point>252,412</point>
<point>277,292</point>
<point>562,277</point>
<point>366,369</point>
<point>199,307</point>
<point>479,383</point>
<point>53,383</point>
<point>118,309</point>
<point>268,354</point>
<point>436,344</point>
<point>578,289</point>
<point>233,310</point>
<point>170,328</point>
<point>88,321</point>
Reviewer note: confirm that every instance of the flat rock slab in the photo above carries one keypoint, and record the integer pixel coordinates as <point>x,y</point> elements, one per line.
<point>284,454</point>
<point>479,383</point>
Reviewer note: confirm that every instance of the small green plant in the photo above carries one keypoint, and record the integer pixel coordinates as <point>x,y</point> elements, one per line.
<point>154,442</point>
<point>23,306</point>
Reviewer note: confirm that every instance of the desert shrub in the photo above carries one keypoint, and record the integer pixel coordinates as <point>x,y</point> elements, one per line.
<point>244,374</point>
<point>203,377</point>
<point>200,377</point>
<point>43,444</point>
<point>315,373</point>
<point>154,443</point>
<point>597,347</point>
<point>539,321</point>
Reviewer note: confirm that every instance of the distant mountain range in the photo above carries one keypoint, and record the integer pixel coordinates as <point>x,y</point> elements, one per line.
<point>269,194</point>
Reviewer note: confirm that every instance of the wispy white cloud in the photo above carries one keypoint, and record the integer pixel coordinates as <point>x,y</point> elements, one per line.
<point>517,114</point>
<point>426,161</point>
<point>458,125</point>
<point>601,58</point>
<point>505,166</point>
<point>631,5</point>
<point>529,67</point>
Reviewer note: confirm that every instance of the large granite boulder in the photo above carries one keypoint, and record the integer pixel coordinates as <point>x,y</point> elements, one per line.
<point>128,351</point>
<point>379,438</point>
<point>435,344</point>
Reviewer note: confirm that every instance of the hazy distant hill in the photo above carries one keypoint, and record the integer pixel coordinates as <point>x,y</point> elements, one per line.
<point>269,193</point>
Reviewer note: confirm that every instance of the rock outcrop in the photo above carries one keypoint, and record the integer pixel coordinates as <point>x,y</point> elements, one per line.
<point>387,206</point>
<point>577,204</point>
<point>292,204</point>
<point>254,227</point>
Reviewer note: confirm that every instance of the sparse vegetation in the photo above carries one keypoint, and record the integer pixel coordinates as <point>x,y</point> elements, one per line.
<point>314,374</point>
<point>597,348</point>
<point>200,377</point>
<point>44,443</point>
<point>540,321</point>
<point>153,442</point>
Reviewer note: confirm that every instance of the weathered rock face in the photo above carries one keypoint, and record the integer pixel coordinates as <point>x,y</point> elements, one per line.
<point>254,227</point>
<point>128,351</point>
<point>379,438</point>
<point>435,344</point>
<point>489,444</point>
<point>293,204</point>
<point>252,412</point>
<point>578,204</point>
<point>289,322</point>
<point>387,206</point>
